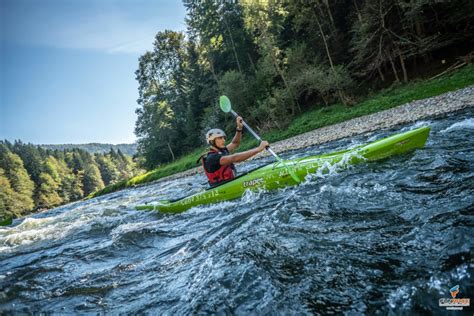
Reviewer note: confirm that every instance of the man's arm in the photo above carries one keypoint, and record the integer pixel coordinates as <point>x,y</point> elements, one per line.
<point>235,141</point>
<point>227,160</point>
<point>238,134</point>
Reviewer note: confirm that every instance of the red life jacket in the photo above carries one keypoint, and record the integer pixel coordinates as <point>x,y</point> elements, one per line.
<point>224,173</point>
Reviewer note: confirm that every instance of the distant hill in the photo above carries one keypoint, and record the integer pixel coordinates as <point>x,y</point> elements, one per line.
<point>127,149</point>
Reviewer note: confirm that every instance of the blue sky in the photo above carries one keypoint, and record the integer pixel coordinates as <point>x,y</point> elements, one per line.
<point>67,66</point>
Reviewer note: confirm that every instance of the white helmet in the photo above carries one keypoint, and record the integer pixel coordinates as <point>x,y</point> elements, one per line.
<point>213,134</point>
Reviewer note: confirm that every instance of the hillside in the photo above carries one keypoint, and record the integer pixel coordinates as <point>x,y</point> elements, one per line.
<point>93,148</point>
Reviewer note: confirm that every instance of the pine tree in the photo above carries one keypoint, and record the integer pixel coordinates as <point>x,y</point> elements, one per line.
<point>108,169</point>
<point>48,191</point>
<point>19,180</point>
<point>92,180</point>
<point>8,198</point>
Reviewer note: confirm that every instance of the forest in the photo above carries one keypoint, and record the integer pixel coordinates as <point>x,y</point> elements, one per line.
<point>93,148</point>
<point>277,59</point>
<point>33,178</point>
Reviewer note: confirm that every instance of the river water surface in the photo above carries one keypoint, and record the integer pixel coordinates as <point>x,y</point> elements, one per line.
<point>389,237</point>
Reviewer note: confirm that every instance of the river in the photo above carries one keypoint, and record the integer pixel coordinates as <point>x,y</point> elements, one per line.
<point>388,237</point>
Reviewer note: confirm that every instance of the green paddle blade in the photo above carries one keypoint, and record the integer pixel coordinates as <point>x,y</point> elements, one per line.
<point>224,103</point>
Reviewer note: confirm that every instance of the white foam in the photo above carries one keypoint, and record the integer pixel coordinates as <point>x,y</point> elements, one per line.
<point>465,124</point>
<point>379,187</point>
<point>36,229</point>
<point>33,230</point>
<point>250,196</point>
<point>128,228</point>
<point>401,296</point>
<point>328,168</point>
<point>416,125</point>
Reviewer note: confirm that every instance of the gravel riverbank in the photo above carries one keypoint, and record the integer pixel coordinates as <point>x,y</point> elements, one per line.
<point>406,113</point>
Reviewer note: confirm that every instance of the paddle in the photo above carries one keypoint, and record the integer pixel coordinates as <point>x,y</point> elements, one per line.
<point>226,107</point>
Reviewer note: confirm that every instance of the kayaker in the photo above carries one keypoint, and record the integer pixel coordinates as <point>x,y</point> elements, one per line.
<point>218,162</point>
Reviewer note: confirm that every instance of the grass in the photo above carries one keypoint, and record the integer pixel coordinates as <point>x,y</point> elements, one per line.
<point>313,119</point>
<point>181,164</point>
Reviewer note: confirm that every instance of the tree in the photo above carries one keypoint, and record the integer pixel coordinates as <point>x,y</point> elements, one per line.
<point>75,186</point>
<point>74,161</point>
<point>264,21</point>
<point>48,191</point>
<point>63,177</point>
<point>323,34</point>
<point>31,158</point>
<point>218,25</point>
<point>161,116</point>
<point>8,198</point>
<point>19,179</point>
<point>108,169</point>
<point>243,90</point>
<point>276,59</point>
<point>199,91</point>
<point>92,181</point>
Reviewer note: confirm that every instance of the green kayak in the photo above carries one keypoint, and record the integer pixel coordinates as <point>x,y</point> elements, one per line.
<point>276,175</point>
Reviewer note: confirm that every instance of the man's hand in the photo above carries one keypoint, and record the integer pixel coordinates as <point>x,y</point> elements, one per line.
<point>239,122</point>
<point>227,160</point>
<point>236,140</point>
<point>264,144</point>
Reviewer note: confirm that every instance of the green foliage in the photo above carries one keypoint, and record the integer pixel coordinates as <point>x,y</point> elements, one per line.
<point>322,81</point>
<point>63,176</point>
<point>92,181</point>
<point>9,206</point>
<point>48,191</point>
<point>283,63</point>
<point>19,181</point>
<point>183,163</point>
<point>74,187</point>
<point>96,148</point>
<point>31,157</point>
<point>108,170</point>
<point>316,118</point>
<point>242,89</point>
<point>383,100</point>
<point>66,179</point>
<point>162,99</point>
<point>125,165</point>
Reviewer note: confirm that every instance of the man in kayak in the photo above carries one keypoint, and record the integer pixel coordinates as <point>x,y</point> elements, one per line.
<point>218,163</point>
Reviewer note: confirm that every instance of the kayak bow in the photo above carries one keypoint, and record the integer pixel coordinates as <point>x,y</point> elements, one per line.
<point>276,175</point>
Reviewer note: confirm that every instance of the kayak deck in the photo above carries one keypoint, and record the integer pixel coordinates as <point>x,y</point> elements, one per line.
<point>276,175</point>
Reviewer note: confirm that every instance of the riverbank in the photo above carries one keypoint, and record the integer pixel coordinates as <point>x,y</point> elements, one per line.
<point>410,112</point>
<point>398,105</point>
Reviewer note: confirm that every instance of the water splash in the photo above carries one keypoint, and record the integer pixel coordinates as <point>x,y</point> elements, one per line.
<point>464,124</point>
<point>381,237</point>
